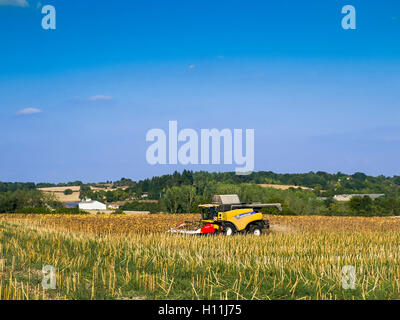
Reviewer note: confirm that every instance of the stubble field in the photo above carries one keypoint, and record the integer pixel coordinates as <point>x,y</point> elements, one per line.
<point>132,257</point>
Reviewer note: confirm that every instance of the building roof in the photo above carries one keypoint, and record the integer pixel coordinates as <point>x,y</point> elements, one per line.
<point>226,199</point>
<point>90,201</point>
<point>349,196</point>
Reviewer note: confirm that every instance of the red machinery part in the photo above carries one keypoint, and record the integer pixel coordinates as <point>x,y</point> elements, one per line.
<point>208,228</point>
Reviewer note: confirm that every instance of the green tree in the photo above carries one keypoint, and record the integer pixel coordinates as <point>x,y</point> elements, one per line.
<point>179,199</point>
<point>68,192</point>
<point>361,206</point>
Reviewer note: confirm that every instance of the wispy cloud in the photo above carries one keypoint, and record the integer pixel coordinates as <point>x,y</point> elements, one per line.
<point>99,98</point>
<point>28,111</point>
<point>15,3</point>
<point>192,66</point>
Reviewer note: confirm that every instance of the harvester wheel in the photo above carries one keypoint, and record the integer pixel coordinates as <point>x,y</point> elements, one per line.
<point>255,230</point>
<point>229,229</point>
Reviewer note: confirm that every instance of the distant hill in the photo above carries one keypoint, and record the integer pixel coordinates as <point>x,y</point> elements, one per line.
<point>182,192</point>
<point>328,183</point>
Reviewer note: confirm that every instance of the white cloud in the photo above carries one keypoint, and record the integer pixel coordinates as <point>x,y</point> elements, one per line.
<point>99,97</point>
<point>15,3</point>
<point>192,66</point>
<point>28,111</point>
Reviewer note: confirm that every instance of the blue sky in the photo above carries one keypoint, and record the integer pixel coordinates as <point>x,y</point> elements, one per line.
<point>76,102</point>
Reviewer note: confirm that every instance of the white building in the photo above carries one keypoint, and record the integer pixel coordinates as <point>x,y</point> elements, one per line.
<point>90,204</point>
<point>347,197</point>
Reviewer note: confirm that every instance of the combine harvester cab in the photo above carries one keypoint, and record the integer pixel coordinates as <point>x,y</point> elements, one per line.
<point>227,215</point>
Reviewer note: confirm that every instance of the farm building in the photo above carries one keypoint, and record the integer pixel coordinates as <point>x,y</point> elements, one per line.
<point>90,204</point>
<point>347,197</point>
<point>226,199</point>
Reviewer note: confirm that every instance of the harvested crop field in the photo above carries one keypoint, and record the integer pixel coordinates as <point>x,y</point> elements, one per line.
<point>58,193</point>
<point>159,223</point>
<point>131,257</point>
<point>282,186</point>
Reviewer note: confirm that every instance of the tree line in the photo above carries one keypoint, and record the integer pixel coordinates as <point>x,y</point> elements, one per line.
<point>322,183</point>
<point>185,199</point>
<point>183,192</point>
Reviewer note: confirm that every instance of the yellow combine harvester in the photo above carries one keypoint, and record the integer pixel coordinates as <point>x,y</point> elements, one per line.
<point>227,215</point>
